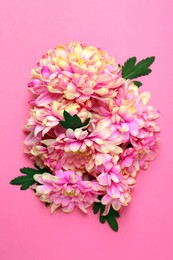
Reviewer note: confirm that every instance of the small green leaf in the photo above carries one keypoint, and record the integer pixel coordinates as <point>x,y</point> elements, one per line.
<point>28,171</point>
<point>86,122</point>
<point>112,222</point>
<point>114,213</point>
<point>27,179</point>
<point>96,208</point>
<point>73,122</point>
<point>110,217</point>
<point>67,116</point>
<point>64,124</point>
<point>102,219</point>
<point>26,186</point>
<point>131,69</point>
<point>41,170</point>
<point>102,208</point>
<point>137,83</point>
<point>24,181</point>
<point>76,122</point>
<point>36,166</point>
<point>20,180</point>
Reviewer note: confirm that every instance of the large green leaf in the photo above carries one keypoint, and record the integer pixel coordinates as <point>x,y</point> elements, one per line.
<point>131,69</point>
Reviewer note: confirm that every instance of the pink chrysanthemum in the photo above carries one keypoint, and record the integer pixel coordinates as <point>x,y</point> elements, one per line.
<point>75,72</point>
<point>66,190</point>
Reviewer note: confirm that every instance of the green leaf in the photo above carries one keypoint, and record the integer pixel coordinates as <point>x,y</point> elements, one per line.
<point>67,116</point>
<point>86,122</point>
<point>128,65</point>
<point>131,69</point>
<point>102,219</point>
<point>114,213</point>
<point>112,222</point>
<point>24,181</point>
<point>137,83</point>
<point>27,179</point>
<point>102,208</point>
<point>28,171</point>
<point>38,168</point>
<point>96,208</point>
<point>73,122</point>
<point>64,124</point>
<point>76,122</point>
<point>110,217</point>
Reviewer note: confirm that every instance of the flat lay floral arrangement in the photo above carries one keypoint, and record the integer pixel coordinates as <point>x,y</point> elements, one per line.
<point>90,130</point>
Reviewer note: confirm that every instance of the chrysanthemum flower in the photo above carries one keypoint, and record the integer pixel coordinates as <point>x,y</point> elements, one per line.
<point>128,115</point>
<point>117,187</point>
<point>75,72</point>
<point>66,190</point>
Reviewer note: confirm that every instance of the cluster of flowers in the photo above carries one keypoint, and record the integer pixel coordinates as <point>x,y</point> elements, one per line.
<point>102,158</point>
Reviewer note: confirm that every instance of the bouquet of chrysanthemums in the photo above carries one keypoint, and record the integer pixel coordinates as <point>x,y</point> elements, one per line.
<point>90,130</point>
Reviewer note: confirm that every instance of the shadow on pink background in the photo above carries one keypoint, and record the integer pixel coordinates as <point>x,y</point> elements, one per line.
<point>123,28</point>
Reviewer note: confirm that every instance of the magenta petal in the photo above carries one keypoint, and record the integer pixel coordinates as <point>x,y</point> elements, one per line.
<point>74,147</point>
<point>38,129</point>
<point>65,201</point>
<point>106,199</point>
<point>68,208</point>
<point>113,191</point>
<point>45,72</point>
<point>128,161</point>
<point>44,189</point>
<point>44,99</point>
<point>107,208</point>
<point>134,128</point>
<point>103,179</point>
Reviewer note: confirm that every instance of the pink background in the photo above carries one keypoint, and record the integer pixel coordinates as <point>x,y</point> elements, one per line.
<point>123,28</point>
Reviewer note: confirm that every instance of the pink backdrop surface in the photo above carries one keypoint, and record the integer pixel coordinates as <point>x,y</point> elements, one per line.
<point>123,28</point>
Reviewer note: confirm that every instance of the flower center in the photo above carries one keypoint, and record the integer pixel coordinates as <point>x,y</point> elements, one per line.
<point>80,60</point>
<point>71,193</point>
<point>130,105</point>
